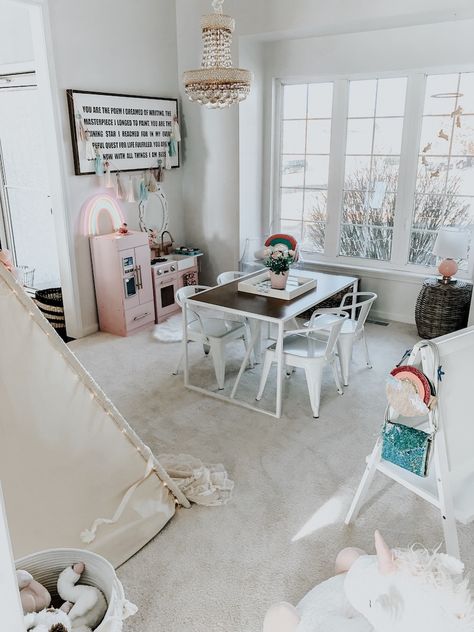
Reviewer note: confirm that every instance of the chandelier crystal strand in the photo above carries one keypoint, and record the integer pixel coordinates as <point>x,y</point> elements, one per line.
<point>217,84</point>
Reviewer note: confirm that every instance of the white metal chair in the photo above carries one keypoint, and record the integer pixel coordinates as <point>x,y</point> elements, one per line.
<point>213,333</point>
<point>353,329</point>
<point>227,277</point>
<point>301,348</point>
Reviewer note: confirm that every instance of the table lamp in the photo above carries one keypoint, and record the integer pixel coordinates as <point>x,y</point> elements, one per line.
<point>451,244</point>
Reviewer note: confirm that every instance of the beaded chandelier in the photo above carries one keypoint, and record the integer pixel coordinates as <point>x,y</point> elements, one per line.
<point>217,84</point>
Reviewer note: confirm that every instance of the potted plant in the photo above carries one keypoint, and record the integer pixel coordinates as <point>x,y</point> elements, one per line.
<point>279,259</point>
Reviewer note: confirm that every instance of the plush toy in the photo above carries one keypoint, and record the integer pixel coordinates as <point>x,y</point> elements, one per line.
<point>34,597</point>
<point>48,620</point>
<point>86,605</point>
<point>394,591</point>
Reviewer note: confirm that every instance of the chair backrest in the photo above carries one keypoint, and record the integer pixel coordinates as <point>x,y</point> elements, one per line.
<point>185,292</point>
<point>227,277</point>
<point>362,300</point>
<point>333,325</point>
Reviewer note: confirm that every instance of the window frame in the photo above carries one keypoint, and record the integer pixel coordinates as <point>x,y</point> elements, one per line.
<point>409,155</point>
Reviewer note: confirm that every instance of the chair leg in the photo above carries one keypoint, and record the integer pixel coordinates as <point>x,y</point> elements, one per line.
<point>180,360</point>
<point>337,379</point>
<point>344,347</point>
<point>313,379</point>
<point>366,347</point>
<point>267,365</point>
<point>247,337</point>
<point>217,353</point>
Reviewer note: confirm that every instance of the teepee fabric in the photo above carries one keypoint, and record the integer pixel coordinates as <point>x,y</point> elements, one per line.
<point>74,474</point>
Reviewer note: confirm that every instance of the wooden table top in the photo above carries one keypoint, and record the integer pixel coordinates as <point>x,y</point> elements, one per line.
<point>228,298</point>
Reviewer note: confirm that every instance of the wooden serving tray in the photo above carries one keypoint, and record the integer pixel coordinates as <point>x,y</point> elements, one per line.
<point>260,284</point>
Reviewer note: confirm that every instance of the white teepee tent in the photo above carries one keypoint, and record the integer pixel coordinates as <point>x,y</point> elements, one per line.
<point>74,474</point>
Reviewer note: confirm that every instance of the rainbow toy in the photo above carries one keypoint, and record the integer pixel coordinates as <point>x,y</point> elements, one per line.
<point>97,205</point>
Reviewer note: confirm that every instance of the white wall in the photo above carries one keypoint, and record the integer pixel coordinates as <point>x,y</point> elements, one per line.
<point>251,134</point>
<point>112,46</point>
<point>211,160</point>
<point>277,19</point>
<point>449,45</point>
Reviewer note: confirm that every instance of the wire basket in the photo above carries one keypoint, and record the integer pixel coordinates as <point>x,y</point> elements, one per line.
<point>26,275</point>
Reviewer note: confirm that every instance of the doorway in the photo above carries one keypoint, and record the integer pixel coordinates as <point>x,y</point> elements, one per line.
<point>34,218</point>
<point>26,214</point>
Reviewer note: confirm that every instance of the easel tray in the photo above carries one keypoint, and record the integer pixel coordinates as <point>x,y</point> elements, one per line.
<point>260,284</point>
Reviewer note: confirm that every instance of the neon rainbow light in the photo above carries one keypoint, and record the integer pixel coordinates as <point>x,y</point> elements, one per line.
<point>97,205</point>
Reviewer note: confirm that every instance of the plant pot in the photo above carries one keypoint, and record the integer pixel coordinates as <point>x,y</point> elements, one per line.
<point>278,281</point>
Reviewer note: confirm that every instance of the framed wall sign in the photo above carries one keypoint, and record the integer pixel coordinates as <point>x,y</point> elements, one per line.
<point>131,132</point>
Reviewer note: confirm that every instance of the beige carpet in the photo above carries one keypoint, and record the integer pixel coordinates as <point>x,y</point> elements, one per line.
<point>218,569</point>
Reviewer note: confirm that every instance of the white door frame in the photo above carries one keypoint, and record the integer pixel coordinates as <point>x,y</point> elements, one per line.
<point>51,113</point>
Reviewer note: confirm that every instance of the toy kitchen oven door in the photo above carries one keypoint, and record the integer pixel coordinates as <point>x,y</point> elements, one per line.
<point>167,279</point>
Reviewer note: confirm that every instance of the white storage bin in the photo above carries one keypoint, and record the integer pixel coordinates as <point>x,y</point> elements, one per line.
<point>46,566</point>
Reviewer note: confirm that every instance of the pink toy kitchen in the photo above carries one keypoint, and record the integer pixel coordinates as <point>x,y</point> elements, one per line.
<point>134,288</point>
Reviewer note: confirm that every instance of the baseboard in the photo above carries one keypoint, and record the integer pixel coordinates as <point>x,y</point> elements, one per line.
<point>86,331</point>
<point>400,317</point>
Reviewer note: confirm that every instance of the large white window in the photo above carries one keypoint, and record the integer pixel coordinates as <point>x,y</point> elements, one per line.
<point>370,169</point>
<point>444,193</point>
<point>305,148</point>
<point>373,146</point>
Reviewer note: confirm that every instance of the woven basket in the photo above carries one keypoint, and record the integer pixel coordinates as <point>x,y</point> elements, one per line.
<point>50,303</point>
<point>46,566</point>
<point>442,308</point>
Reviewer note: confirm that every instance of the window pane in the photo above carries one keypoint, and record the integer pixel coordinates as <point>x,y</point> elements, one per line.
<point>315,206</point>
<point>385,170</point>
<point>369,242</point>
<point>357,172</point>
<point>320,100</point>
<point>434,131</point>
<point>463,137</point>
<point>362,98</point>
<point>391,94</point>
<point>388,136</point>
<point>467,89</point>
<point>294,133</point>
<point>318,137</point>
<point>359,208</point>
<point>440,85</point>
<point>432,174</point>
<point>354,209</point>
<point>314,235</point>
<point>292,171</point>
<point>433,211</point>
<point>294,101</point>
<point>461,175</point>
<point>292,203</point>
<point>421,247</point>
<point>359,136</point>
<point>317,171</point>
<point>292,228</point>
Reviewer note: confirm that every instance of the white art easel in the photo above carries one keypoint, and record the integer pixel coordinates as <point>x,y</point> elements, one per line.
<point>10,605</point>
<point>450,483</point>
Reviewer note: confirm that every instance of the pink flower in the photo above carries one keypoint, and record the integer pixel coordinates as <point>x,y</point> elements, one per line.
<point>276,255</point>
<point>291,253</point>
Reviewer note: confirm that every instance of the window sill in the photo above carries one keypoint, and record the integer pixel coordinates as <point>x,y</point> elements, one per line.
<point>379,272</point>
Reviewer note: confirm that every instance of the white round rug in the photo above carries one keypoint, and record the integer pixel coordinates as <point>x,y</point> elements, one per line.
<point>169,331</point>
